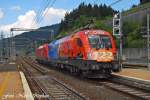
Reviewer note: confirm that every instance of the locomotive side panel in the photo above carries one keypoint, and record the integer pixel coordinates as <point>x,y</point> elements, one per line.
<point>42,52</point>
<point>53,50</point>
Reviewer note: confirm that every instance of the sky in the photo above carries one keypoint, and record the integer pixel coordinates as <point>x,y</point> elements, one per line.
<point>22,13</point>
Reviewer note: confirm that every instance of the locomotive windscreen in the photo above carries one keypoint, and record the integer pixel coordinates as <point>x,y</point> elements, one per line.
<point>99,41</point>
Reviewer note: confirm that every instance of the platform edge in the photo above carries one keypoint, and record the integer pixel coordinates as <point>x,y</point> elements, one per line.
<point>27,90</point>
<point>131,77</point>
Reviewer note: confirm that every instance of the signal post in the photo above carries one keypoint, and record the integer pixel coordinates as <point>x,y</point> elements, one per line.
<point>117,31</point>
<point>148,41</point>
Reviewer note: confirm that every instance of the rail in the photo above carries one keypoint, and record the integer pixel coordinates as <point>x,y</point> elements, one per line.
<point>51,86</point>
<point>138,89</point>
<point>35,87</point>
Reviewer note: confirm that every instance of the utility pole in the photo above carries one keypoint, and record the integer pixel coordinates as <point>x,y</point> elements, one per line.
<point>9,43</point>
<point>117,31</point>
<point>7,46</point>
<point>13,50</point>
<point>121,41</point>
<point>3,52</point>
<point>52,34</point>
<point>1,47</point>
<point>148,42</point>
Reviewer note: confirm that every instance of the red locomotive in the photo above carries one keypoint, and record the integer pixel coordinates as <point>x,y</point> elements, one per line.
<point>88,52</point>
<point>42,52</point>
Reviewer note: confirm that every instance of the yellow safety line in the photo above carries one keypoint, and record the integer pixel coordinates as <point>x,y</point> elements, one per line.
<point>3,86</point>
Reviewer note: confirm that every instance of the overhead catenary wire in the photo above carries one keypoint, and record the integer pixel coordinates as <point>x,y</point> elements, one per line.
<point>46,10</point>
<point>40,12</point>
<point>41,17</point>
<point>115,2</point>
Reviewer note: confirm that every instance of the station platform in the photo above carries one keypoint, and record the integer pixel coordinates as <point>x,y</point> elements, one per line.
<point>11,85</point>
<point>142,74</point>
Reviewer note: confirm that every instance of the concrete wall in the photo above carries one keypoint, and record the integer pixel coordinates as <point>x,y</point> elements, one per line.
<point>138,16</point>
<point>135,53</point>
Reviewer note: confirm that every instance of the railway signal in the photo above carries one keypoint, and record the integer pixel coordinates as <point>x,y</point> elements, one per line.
<point>117,26</point>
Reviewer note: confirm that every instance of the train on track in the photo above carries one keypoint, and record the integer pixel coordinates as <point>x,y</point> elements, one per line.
<point>90,53</point>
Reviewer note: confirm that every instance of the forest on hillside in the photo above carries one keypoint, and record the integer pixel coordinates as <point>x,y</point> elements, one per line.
<point>97,15</point>
<point>83,15</point>
<point>144,1</point>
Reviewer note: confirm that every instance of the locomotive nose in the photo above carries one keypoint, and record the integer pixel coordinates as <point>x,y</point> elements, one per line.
<point>102,56</point>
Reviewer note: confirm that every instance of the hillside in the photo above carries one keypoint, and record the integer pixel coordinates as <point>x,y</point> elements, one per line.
<point>43,33</point>
<point>28,41</point>
<point>100,17</point>
<point>85,14</point>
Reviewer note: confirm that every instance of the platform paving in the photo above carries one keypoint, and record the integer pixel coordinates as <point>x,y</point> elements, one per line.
<point>11,87</point>
<point>143,74</point>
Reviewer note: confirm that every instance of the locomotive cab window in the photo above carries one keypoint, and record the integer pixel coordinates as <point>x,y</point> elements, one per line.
<point>106,41</point>
<point>99,41</point>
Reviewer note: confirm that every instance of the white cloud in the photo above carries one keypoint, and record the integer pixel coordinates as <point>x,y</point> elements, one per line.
<point>1,13</point>
<point>23,21</point>
<point>16,8</point>
<point>53,15</point>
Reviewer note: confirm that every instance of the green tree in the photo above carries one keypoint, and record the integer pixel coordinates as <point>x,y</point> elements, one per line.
<point>81,15</point>
<point>144,1</point>
<point>132,35</point>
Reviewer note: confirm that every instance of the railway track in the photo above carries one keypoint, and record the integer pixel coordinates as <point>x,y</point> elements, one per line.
<point>135,88</point>
<point>136,66</point>
<point>37,90</point>
<point>49,87</point>
<point>127,86</point>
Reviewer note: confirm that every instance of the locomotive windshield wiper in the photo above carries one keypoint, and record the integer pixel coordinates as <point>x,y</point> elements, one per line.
<point>106,42</point>
<point>100,43</point>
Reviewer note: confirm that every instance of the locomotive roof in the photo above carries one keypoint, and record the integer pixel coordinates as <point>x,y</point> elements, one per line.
<point>42,46</point>
<point>86,31</point>
<point>96,31</point>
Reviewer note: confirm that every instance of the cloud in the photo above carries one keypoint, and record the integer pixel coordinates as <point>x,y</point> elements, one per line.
<point>1,13</point>
<point>53,15</point>
<point>15,8</point>
<point>23,21</point>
